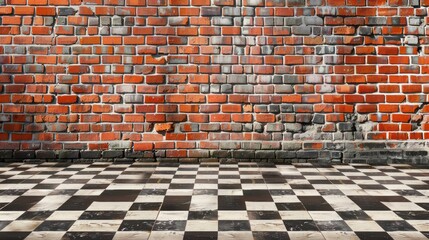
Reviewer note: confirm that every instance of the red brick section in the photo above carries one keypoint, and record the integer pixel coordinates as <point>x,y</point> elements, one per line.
<point>214,80</point>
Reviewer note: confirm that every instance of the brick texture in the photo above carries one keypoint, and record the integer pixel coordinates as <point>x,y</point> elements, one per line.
<point>209,80</point>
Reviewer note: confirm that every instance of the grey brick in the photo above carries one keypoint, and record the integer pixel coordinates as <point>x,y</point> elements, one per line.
<point>222,21</point>
<point>267,50</point>
<point>273,108</point>
<point>93,21</point>
<point>239,50</point>
<point>346,127</point>
<point>255,3</point>
<point>293,21</point>
<point>319,119</point>
<point>377,20</point>
<point>34,68</point>
<point>121,30</point>
<point>224,59</point>
<point>210,11</point>
<point>226,88</point>
<point>231,11</point>
<point>236,79</point>
<point>14,49</point>
<point>133,99</point>
<point>239,41</point>
<point>56,127</point>
<point>304,118</point>
<point>275,127</point>
<point>243,89</point>
<point>412,40</point>
<point>321,50</point>
<point>301,30</point>
<point>293,127</point>
<point>251,145</point>
<point>120,145</point>
<point>4,118</point>
<point>66,11</point>
<point>291,79</point>
<point>285,108</point>
<point>229,145</point>
<point>327,11</point>
<point>220,40</point>
<point>105,21</point>
<point>316,21</point>
<point>125,89</point>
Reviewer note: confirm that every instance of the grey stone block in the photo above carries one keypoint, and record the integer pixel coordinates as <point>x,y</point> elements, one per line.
<point>90,154</point>
<point>307,154</point>
<point>220,154</point>
<point>6,154</point>
<point>68,154</point>
<point>285,154</point>
<point>265,154</point>
<point>246,154</point>
<point>113,154</point>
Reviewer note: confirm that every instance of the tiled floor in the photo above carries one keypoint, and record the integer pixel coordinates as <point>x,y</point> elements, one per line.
<point>211,201</point>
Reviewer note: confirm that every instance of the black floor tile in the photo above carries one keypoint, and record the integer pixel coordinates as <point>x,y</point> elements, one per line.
<point>102,215</point>
<point>332,226</point>
<point>78,203</point>
<point>374,235</point>
<point>231,203</point>
<point>262,215</point>
<point>136,225</point>
<point>202,215</point>
<point>354,215</point>
<point>257,195</point>
<point>145,206</point>
<point>13,235</point>
<point>176,203</point>
<point>200,236</point>
<point>22,203</point>
<point>234,225</point>
<point>300,225</point>
<point>35,215</point>
<point>88,236</point>
<point>391,226</point>
<point>54,226</point>
<point>270,235</point>
<point>118,195</point>
<point>290,206</point>
<point>174,225</point>
<point>315,203</point>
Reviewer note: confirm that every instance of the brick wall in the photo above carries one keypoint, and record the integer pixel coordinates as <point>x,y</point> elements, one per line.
<point>209,80</point>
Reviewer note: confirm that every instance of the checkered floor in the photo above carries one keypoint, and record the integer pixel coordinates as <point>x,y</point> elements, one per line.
<point>210,201</point>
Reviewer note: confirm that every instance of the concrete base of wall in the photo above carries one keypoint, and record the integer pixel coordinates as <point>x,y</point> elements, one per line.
<point>230,152</point>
